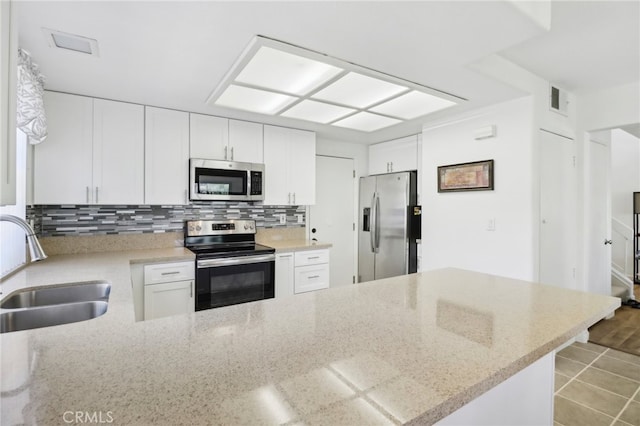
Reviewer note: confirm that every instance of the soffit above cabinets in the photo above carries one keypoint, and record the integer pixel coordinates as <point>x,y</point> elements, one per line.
<point>279,79</point>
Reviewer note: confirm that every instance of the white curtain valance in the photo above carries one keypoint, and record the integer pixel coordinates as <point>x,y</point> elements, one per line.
<point>30,105</point>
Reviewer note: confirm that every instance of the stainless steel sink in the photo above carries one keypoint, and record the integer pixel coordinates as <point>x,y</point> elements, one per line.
<point>68,293</point>
<point>45,316</point>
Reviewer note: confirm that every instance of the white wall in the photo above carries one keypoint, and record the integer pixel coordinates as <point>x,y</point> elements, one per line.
<point>12,237</point>
<point>454,225</point>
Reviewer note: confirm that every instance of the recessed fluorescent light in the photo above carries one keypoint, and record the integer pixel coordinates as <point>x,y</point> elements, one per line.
<point>412,105</point>
<point>72,42</point>
<point>254,100</point>
<point>284,72</point>
<point>318,112</point>
<point>359,91</point>
<point>366,122</point>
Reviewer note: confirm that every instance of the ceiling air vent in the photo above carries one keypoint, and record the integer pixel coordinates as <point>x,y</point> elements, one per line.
<point>76,43</point>
<point>558,100</point>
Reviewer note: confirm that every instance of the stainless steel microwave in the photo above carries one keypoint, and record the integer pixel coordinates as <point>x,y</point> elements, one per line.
<point>216,180</point>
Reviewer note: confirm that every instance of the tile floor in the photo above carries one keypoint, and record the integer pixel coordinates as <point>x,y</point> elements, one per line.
<point>596,386</point>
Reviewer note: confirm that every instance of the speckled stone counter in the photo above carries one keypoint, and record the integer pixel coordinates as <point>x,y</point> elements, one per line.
<point>418,346</point>
<point>284,246</point>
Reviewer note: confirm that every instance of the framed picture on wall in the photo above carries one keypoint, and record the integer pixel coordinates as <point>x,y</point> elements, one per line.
<point>475,176</point>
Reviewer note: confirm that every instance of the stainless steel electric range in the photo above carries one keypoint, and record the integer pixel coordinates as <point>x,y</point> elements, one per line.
<point>230,267</point>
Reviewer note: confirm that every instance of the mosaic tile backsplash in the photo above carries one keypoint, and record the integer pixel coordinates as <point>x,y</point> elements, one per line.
<point>51,221</point>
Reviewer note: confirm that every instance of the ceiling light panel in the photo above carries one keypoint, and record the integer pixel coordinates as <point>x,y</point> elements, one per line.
<point>359,91</point>
<point>318,112</point>
<point>253,100</point>
<point>412,105</point>
<point>284,72</point>
<point>366,122</point>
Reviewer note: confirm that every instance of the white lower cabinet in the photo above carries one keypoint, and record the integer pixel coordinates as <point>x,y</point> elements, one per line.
<point>169,289</point>
<point>301,271</point>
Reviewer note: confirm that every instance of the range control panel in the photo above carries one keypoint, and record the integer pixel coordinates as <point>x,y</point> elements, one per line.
<point>197,228</point>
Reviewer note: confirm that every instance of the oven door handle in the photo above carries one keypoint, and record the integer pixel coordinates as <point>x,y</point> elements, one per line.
<point>239,260</point>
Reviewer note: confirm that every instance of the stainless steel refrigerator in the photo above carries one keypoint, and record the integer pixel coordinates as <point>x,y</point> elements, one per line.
<point>389,226</point>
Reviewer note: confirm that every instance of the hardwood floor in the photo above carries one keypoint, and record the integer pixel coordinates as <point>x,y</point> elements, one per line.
<point>622,332</point>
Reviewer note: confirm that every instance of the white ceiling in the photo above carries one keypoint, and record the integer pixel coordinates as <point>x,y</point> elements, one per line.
<point>174,53</point>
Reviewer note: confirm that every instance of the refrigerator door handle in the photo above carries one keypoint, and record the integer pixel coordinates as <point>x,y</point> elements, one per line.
<point>377,223</point>
<point>372,224</point>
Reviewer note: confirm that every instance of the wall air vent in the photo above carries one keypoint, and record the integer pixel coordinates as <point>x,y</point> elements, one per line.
<point>76,43</point>
<point>558,100</point>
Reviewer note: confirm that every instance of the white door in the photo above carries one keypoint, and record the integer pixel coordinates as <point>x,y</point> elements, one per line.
<point>598,217</point>
<point>163,300</point>
<point>557,210</point>
<point>209,137</point>
<point>245,142</point>
<point>302,167</point>
<point>332,216</point>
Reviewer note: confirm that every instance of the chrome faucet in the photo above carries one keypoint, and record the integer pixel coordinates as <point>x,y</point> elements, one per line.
<point>35,250</point>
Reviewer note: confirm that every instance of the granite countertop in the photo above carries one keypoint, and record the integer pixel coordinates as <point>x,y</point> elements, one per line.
<point>283,246</point>
<point>419,346</point>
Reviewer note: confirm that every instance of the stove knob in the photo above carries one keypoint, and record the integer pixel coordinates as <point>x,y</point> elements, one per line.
<point>246,226</point>
<point>198,228</point>
<point>251,226</point>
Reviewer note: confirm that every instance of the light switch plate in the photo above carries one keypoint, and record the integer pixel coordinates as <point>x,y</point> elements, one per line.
<point>283,218</point>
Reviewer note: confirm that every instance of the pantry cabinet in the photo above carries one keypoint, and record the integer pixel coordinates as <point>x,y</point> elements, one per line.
<point>93,152</point>
<point>8,78</point>
<point>398,155</point>
<point>220,138</point>
<point>290,166</point>
<point>166,156</point>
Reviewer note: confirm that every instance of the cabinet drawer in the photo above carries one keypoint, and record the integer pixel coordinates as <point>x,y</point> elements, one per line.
<point>310,278</point>
<point>168,272</point>
<point>312,257</point>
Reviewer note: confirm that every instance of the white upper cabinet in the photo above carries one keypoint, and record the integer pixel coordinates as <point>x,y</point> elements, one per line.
<point>209,136</point>
<point>93,154</point>
<point>219,138</point>
<point>290,171</point>
<point>245,141</point>
<point>118,152</point>
<point>398,155</point>
<point>8,78</point>
<point>166,156</point>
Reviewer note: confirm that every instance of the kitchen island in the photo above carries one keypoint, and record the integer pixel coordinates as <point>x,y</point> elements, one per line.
<point>400,350</point>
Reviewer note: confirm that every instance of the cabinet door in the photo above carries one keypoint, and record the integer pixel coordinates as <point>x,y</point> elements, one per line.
<point>163,300</point>
<point>245,141</point>
<point>118,152</point>
<point>302,167</point>
<point>276,166</point>
<point>394,156</point>
<point>166,156</point>
<point>8,78</point>
<point>209,136</point>
<point>63,162</point>
<point>312,277</point>
<point>284,275</point>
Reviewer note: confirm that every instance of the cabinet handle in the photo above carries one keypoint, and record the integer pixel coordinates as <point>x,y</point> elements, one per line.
<point>313,257</point>
<point>391,166</point>
<point>294,198</point>
<point>87,195</point>
<point>225,152</point>
<point>170,273</point>
<point>96,195</point>
<point>285,255</point>
<point>289,199</point>
<point>231,153</point>
<point>191,289</point>
<point>314,276</point>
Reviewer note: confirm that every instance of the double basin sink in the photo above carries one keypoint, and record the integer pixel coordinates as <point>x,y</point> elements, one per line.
<point>55,305</point>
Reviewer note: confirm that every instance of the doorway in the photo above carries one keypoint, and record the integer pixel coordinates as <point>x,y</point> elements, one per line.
<point>331,218</point>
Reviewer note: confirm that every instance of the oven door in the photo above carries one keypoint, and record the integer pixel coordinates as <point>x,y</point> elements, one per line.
<point>232,280</point>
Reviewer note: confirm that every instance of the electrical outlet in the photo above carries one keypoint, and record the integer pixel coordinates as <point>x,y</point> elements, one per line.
<point>299,218</point>
<point>283,218</point>
<point>491,224</point>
